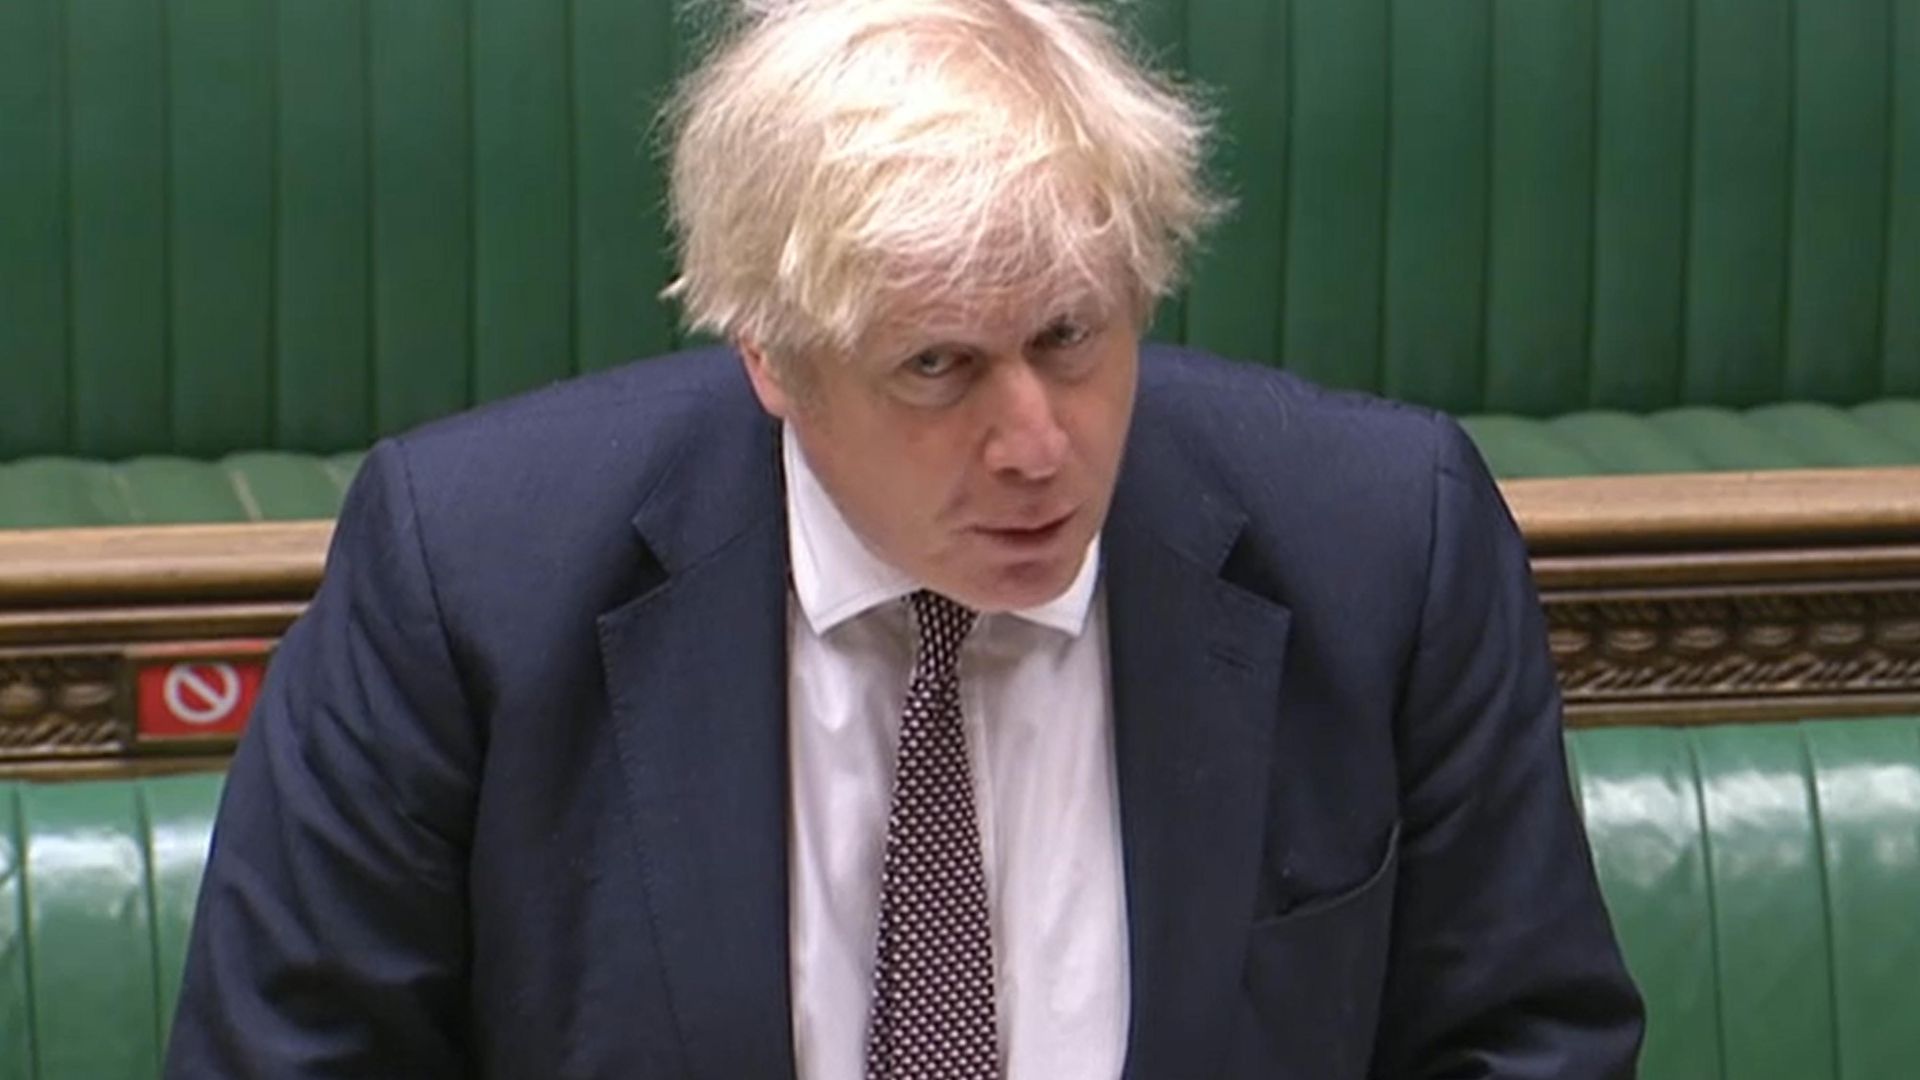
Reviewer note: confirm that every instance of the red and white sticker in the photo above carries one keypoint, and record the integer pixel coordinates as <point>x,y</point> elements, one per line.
<point>197,697</point>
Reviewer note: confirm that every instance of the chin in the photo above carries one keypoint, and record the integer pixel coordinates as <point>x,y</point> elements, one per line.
<point>1010,588</point>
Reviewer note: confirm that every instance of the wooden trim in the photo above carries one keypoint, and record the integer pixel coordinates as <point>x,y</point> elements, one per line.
<point>126,623</point>
<point>113,768</point>
<point>1733,509</point>
<point>149,563</point>
<point>1772,568</point>
<point>1750,710</point>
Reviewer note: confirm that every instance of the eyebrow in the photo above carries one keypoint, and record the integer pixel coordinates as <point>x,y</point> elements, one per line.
<point>947,326</point>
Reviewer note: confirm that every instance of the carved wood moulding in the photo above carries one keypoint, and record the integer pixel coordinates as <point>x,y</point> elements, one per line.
<point>1673,599</point>
<point>1718,597</point>
<point>1753,653</point>
<point>140,650</point>
<point>138,700</point>
<point>59,705</point>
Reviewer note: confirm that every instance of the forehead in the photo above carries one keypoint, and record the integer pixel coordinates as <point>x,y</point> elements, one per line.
<point>984,315</point>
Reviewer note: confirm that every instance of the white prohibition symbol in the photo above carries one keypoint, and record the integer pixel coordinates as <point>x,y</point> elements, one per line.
<point>209,703</point>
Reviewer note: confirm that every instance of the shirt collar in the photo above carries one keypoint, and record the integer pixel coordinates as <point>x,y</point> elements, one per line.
<point>837,577</point>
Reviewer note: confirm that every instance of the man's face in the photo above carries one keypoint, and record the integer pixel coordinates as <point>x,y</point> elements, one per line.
<point>973,447</point>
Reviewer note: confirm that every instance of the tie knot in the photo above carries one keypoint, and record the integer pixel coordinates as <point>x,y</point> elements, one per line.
<point>944,624</point>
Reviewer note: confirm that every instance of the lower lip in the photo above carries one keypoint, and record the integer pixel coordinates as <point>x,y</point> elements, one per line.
<point>1028,539</point>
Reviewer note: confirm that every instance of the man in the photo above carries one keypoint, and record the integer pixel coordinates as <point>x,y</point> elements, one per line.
<point>933,686</point>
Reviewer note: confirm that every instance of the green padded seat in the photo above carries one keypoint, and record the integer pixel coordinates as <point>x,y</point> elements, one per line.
<point>1796,435</point>
<point>1765,881</point>
<point>57,492</point>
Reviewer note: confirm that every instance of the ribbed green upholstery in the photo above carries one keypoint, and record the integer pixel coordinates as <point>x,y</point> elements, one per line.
<point>1542,206</point>
<point>261,486</point>
<point>1786,436</point>
<point>97,884</point>
<point>230,225</point>
<point>1764,880</point>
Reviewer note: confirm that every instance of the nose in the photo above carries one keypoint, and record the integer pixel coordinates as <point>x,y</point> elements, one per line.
<point>1025,439</point>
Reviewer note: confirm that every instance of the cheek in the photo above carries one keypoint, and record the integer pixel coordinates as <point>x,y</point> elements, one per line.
<point>941,477</point>
<point>1096,423</point>
<point>916,470</point>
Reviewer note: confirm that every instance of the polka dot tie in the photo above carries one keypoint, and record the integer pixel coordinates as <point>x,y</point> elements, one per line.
<point>933,1015</point>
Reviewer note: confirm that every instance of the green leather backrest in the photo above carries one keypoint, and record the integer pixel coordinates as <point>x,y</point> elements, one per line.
<point>1539,206</point>
<point>239,224</point>
<point>231,225</point>
<point>1765,882</point>
<point>97,886</point>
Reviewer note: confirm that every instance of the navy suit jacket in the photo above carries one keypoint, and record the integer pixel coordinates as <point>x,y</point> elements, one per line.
<point>514,801</point>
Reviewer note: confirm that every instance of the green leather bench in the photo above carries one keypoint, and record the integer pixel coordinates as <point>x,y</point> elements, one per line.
<point>1765,881</point>
<point>239,240</point>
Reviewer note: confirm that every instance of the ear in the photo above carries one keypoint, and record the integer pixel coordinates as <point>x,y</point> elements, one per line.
<point>767,383</point>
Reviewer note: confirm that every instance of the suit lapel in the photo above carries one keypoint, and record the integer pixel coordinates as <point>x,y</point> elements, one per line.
<point>696,678</point>
<point>1196,663</point>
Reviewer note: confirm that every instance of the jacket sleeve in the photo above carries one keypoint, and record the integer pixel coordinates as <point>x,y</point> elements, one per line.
<point>330,938</point>
<point>1502,960</point>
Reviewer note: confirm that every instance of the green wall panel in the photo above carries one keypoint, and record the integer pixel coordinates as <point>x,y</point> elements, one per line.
<point>422,210</point>
<point>35,408</point>
<point>323,321</point>
<point>522,196</point>
<point>1235,300</point>
<point>1839,199</point>
<point>1336,175</point>
<point>1436,289</point>
<point>1737,253</point>
<point>1540,256</point>
<point>220,222</point>
<point>1900,304</point>
<point>121,369</point>
<point>233,225</point>
<point>1158,30</point>
<point>621,259</point>
<point>1640,167</point>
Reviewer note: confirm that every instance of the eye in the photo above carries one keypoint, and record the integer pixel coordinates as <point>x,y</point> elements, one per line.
<point>935,363</point>
<point>934,378</point>
<point>1062,334</point>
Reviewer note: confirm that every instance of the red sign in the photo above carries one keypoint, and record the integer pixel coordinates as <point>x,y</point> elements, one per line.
<point>198,696</point>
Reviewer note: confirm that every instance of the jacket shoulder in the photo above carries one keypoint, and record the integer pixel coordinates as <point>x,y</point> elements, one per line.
<point>1281,439</point>
<point>545,487</point>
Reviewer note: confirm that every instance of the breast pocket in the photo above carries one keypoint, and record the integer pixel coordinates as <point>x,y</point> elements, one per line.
<point>1314,977</point>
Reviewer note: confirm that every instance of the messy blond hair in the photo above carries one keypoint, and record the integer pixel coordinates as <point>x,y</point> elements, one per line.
<point>831,156</point>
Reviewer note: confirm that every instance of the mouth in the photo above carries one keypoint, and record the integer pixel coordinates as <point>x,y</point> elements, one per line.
<point>1027,537</point>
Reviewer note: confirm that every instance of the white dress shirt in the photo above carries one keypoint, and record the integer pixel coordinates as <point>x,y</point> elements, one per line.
<point>1036,704</point>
